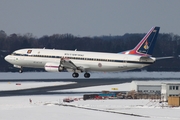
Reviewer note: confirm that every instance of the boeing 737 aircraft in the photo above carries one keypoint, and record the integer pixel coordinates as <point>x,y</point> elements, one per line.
<point>80,61</point>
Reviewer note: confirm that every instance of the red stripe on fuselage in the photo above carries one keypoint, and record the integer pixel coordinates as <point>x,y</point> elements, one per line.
<point>52,66</point>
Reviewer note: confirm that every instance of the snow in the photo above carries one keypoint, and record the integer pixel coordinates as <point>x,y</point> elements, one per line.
<point>5,86</point>
<point>52,107</point>
<point>112,88</point>
<point>45,107</point>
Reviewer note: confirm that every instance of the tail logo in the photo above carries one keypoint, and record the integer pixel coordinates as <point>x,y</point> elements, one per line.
<point>146,45</point>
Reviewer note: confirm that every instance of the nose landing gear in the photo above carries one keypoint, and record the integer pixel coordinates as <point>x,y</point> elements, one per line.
<point>21,70</point>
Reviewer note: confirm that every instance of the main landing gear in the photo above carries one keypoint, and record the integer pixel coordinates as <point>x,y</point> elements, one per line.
<point>86,75</point>
<point>76,75</point>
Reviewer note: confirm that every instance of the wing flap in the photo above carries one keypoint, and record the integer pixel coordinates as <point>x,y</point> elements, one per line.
<point>70,66</point>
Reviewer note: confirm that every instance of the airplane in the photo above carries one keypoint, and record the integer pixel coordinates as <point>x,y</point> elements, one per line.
<point>53,60</point>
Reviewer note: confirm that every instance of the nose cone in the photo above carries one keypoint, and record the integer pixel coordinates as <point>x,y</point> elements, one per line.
<point>10,59</point>
<point>7,58</point>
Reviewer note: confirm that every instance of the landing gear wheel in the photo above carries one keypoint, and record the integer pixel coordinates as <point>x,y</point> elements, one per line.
<point>86,75</point>
<point>60,68</point>
<point>21,71</point>
<point>75,75</point>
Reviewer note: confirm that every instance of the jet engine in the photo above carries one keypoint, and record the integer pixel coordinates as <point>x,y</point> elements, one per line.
<point>53,67</point>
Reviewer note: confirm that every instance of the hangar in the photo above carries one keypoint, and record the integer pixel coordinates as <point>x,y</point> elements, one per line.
<point>164,88</point>
<point>147,87</point>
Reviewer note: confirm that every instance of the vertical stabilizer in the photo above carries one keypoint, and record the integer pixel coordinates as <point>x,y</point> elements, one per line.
<point>146,45</point>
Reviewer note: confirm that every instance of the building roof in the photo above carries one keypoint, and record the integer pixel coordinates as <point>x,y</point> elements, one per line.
<point>171,83</point>
<point>156,83</point>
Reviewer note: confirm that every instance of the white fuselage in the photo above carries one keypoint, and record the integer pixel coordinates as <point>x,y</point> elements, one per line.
<point>89,61</point>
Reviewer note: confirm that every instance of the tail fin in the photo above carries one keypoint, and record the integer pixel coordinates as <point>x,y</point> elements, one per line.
<point>146,45</point>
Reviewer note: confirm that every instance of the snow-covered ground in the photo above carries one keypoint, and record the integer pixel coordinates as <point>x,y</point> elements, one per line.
<point>51,107</point>
<point>46,107</point>
<point>114,87</point>
<point>5,86</point>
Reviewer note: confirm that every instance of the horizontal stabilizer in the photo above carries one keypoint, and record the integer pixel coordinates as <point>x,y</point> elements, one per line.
<point>161,58</point>
<point>147,59</point>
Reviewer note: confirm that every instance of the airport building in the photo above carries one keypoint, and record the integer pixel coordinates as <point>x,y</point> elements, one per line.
<point>164,88</point>
<point>169,89</point>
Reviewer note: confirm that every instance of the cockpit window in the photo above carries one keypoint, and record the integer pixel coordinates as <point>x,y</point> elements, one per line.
<point>16,54</point>
<point>13,53</point>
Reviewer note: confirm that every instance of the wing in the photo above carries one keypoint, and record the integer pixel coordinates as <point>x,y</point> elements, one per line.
<point>70,66</point>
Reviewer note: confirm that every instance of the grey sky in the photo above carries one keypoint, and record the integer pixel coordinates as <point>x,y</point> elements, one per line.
<point>88,17</point>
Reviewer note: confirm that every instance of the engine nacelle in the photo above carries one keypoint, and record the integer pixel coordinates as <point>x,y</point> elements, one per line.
<point>53,67</point>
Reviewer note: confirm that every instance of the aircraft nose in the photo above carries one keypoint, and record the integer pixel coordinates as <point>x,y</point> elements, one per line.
<point>10,59</point>
<point>7,58</point>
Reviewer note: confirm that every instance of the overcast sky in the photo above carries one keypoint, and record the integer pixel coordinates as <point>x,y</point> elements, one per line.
<point>88,17</point>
